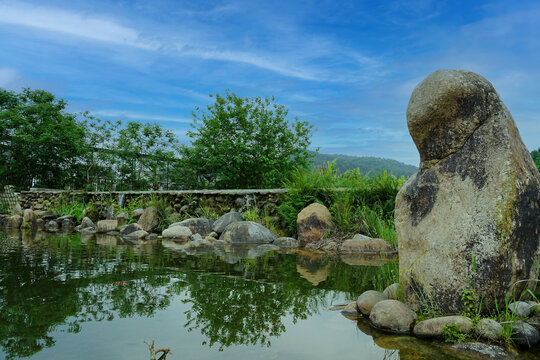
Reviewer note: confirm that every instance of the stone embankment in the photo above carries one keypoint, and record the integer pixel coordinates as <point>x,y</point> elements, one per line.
<point>386,313</point>
<point>146,225</point>
<point>221,201</point>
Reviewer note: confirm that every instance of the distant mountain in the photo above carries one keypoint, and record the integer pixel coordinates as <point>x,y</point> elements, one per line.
<point>366,164</point>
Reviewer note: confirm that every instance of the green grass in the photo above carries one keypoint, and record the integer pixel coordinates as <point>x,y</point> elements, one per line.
<point>65,205</point>
<point>358,203</point>
<point>164,210</point>
<point>263,217</point>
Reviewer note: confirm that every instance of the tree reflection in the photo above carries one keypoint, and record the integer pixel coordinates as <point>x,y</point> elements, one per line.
<point>56,283</point>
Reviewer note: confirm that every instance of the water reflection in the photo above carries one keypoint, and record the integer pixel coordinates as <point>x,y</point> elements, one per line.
<point>312,267</point>
<point>236,295</point>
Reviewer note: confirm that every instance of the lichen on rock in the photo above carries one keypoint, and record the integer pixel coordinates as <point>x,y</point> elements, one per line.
<point>470,217</point>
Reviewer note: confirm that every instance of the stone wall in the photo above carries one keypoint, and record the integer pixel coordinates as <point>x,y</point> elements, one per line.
<point>220,201</point>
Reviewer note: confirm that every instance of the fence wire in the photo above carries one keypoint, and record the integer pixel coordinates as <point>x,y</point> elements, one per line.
<point>8,199</point>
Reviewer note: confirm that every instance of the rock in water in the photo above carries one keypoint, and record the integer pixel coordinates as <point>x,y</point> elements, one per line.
<point>471,213</point>
<point>149,220</point>
<point>313,223</point>
<point>221,223</point>
<point>392,316</point>
<point>200,226</point>
<point>29,219</point>
<point>247,232</point>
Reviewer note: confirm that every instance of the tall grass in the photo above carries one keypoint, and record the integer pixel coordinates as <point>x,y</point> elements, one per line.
<point>358,203</point>
<point>263,217</point>
<point>163,208</point>
<point>65,204</point>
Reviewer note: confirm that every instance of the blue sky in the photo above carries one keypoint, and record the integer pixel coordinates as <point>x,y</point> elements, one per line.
<point>348,67</point>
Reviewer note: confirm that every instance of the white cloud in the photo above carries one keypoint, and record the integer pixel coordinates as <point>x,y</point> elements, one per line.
<point>138,116</point>
<point>72,23</point>
<point>251,59</point>
<point>105,29</point>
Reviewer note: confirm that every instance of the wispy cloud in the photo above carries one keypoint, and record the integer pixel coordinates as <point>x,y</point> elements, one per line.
<point>139,116</point>
<point>274,65</point>
<point>72,23</point>
<point>292,61</point>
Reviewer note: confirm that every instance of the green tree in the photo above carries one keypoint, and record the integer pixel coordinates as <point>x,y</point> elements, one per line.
<point>536,157</point>
<point>99,160</point>
<point>145,154</point>
<point>243,143</point>
<point>39,141</point>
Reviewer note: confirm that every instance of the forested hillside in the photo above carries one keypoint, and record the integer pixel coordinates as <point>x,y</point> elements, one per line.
<point>366,164</point>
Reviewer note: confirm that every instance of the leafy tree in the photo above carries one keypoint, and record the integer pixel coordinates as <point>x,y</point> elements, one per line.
<point>536,157</point>
<point>243,143</point>
<point>98,161</point>
<point>145,153</point>
<point>40,142</point>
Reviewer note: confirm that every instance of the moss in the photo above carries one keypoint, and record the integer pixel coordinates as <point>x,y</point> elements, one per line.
<point>505,209</point>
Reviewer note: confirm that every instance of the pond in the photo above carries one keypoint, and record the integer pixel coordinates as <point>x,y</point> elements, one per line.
<point>73,297</point>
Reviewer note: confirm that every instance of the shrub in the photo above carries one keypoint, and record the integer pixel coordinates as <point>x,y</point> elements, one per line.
<point>358,203</point>
<point>65,204</point>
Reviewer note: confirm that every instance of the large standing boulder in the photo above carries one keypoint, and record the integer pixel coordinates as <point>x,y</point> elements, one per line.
<point>471,213</point>
<point>149,220</point>
<point>247,232</point>
<point>313,223</point>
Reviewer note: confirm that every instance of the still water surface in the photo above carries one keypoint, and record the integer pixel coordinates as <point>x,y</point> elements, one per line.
<point>73,297</point>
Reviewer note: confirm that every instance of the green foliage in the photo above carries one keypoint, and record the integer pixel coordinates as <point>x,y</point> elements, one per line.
<point>135,203</point>
<point>65,204</point>
<point>164,210</point>
<point>453,334</point>
<point>98,161</point>
<point>358,203</point>
<point>243,143</point>
<point>366,164</point>
<point>471,298</point>
<point>387,275</point>
<point>41,143</point>
<point>536,157</point>
<point>263,217</point>
<point>507,318</point>
<point>146,154</point>
<point>175,217</point>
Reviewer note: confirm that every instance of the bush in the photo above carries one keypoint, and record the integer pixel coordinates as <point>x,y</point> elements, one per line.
<point>358,203</point>
<point>65,204</point>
